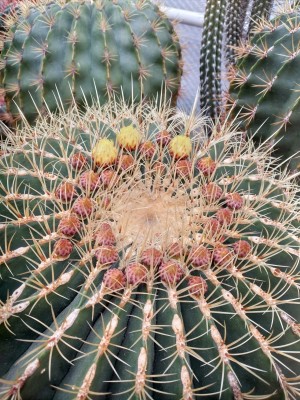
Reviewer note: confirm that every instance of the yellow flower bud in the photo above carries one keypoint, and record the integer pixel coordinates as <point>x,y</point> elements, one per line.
<point>180,146</point>
<point>129,137</point>
<point>104,153</point>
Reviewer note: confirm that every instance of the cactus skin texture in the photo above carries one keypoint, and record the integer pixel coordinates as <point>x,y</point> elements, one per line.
<point>87,49</point>
<point>142,261</point>
<point>264,86</point>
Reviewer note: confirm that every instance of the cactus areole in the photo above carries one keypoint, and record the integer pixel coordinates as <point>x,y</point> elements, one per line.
<point>141,261</point>
<point>58,52</point>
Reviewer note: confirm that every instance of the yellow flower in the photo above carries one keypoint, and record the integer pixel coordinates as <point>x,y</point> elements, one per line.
<point>129,137</point>
<point>180,146</point>
<point>104,153</point>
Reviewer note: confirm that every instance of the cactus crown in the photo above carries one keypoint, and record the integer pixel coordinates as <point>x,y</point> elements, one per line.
<point>141,260</point>
<point>59,52</point>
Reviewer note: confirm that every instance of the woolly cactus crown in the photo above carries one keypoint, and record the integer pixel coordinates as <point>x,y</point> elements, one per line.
<point>140,260</point>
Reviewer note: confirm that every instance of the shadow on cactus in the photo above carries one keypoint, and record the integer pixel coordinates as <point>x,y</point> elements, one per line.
<point>266,84</point>
<point>86,50</point>
<point>140,260</point>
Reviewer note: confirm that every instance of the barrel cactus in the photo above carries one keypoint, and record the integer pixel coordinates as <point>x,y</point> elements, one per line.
<point>58,52</point>
<point>265,86</point>
<point>140,260</point>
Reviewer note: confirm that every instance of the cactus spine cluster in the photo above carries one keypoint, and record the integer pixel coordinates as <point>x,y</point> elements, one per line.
<point>140,260</point>
<point>265,85</point>
<point>58,52</point>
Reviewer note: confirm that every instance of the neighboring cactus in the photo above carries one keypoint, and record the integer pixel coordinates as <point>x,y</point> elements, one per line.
<point>143,261</point>
<point>87,50</point>
<point>226,24</point>
<point>211,56</point>
<point>265,86</point>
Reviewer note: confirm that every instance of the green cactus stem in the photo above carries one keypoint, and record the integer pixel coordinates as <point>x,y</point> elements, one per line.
<point>261,10</point>
<point>59,52</point>
<point>264,87</point>
<point>235,29</point>
<point>211,56</point>
<point>140,260</point>
<point>227,23</point>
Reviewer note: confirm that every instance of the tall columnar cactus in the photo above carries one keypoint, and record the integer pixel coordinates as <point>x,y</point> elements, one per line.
<point>211,56</point>
<point>58,52</point>
<point>265,85</point>
<point>141,261</point>
<point>226,24</point>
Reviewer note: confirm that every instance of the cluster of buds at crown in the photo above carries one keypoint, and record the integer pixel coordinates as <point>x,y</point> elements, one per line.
<point>169,266</point>
<point>130,143</point>
<point>99,173</point>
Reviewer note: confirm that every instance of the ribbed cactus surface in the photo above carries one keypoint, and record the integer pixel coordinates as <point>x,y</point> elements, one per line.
<point>57,52</point>
<point>140,260</point>
<point>265,85</point>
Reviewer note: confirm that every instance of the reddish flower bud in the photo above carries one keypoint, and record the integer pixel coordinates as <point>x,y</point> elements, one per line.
<point>242,248</point>
<point>212,192</point>
<point>89,180</point>
<point>183,168</point>
<point>224,216</point>
<point>62,248</point>
<point>65,191</point>
<point>69,225</point>
<point>163,138</point>
<point>171,272</point>
<point>197,286</point>
<point>222,256</point>
<point>136,273</point>
<point>114,279</point>
<point>200,256</point>
<point>147,149</point>
<point>83,207</point>
<point>234,201</point>
<point>206,165</point>
<point>108,177</point>
<point>107,255</point>
<point>126,161</point>
<point>105,236</point>
<point>77,161</point>
<point>151,257</point>
<point>175,250</point>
